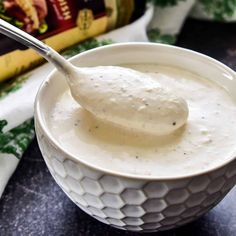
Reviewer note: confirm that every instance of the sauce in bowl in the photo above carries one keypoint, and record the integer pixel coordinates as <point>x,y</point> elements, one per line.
<point>205,141</point>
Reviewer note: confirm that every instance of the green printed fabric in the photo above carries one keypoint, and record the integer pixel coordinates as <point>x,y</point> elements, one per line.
<point>16,140</point>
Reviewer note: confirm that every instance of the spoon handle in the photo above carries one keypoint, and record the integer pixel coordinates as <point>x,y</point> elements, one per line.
<point>48,53</point>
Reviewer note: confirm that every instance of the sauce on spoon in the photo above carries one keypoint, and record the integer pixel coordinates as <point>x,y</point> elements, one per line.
<point>128,98</point>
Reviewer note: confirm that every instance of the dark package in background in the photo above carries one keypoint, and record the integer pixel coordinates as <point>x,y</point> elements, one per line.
<point>60,24</point>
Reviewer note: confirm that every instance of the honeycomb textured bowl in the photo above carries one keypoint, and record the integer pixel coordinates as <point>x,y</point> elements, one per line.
<point>130,203</point>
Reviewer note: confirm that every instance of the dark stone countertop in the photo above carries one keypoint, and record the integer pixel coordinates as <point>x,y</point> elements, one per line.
<point>33,204</point>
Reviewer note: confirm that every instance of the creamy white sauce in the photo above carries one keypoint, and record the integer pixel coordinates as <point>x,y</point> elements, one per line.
<point>207,139</point>
<point>113,93</point>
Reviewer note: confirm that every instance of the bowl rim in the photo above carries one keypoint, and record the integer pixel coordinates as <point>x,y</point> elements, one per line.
<point>39,120</point>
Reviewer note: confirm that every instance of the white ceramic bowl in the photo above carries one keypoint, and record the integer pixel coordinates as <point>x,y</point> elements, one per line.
<point>136,203</point>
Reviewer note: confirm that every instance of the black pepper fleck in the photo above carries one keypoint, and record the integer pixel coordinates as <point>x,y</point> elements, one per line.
<point>185,153</point>
<point>136,157</point>
<point>174,123</point>
<point>96,127</point>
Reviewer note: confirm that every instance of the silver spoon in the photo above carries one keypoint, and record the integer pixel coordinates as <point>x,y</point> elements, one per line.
<point>122,96</point>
